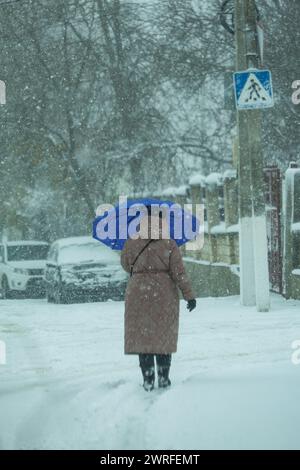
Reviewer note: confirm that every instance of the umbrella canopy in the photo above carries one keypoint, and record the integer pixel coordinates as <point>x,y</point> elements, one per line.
<point>115,226</point>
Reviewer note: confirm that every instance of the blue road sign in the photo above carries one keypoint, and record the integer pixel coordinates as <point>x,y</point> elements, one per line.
<point>253,89</point>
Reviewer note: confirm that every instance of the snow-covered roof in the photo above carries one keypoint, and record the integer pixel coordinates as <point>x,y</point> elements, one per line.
<point>197,179</point>
<point>171,191</point>
<point>230,174</point>
<point>25,242</point>
<point>214,178</point>
<point>181,191</point>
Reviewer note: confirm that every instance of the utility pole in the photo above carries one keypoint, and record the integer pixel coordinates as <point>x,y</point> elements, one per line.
<point>247,277</point>
<point>254,275</point>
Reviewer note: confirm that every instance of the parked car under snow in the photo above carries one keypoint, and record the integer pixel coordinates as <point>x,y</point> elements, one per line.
<point>22,265</point>
<point>80,268</point>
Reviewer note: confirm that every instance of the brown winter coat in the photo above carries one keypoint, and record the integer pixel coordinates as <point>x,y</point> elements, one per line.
<point>152,298</point>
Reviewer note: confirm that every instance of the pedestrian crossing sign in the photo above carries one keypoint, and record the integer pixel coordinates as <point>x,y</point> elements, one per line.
<point>253,89</point>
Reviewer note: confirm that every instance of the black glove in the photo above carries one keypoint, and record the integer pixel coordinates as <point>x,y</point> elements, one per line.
<point>191,304</point>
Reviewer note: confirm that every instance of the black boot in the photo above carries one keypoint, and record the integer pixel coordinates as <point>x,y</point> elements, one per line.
<point>149,378</point>
<point>163,376</point>
<point>163,363</point>
<point>148,370</point>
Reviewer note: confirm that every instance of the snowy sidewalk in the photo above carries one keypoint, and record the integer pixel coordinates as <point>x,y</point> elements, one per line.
<point>67,383</point>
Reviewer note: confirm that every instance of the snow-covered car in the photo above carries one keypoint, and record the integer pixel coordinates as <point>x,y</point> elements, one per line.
<point>22,266</point>
<point>81,268</point>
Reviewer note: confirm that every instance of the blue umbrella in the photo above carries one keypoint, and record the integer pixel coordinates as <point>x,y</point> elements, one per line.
<point>115,226</point>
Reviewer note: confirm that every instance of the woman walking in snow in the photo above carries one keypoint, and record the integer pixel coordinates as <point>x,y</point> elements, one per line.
<point>152,299</point>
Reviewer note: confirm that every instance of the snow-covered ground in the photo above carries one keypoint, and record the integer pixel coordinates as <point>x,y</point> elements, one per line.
<point>67,383</point>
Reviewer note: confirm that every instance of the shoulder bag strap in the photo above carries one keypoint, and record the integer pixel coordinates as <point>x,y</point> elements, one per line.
<point>138,255</point>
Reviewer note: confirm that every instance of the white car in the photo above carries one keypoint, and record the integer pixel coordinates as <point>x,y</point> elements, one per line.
<point>22,266</point>
<point>83,269</point>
